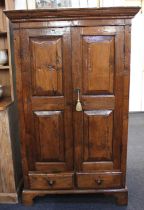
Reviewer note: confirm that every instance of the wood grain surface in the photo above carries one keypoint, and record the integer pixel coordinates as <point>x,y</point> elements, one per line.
<point>58,54</point>
<point>6,161</point>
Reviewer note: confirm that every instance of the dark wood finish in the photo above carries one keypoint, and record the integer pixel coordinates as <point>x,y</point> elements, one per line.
<point>121,195</point>
<point>47,70</point>
<point>98,129</point>
<point>121,198</point>
<point>51,129</point>
<point>126,82</point>
<point>99,180</point>
<point>56,53</point>
<point>50,136</point>
<point>98,60</point>
<point>98,71</point>
<point>51,181</point>
<point>26,16</point>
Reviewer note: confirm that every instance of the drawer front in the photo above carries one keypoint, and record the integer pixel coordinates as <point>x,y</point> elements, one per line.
<point>51,181</point>
<point>99,181</point>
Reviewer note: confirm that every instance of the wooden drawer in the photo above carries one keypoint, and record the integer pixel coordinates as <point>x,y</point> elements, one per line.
<point>51,181</point>
<point>98,180</point>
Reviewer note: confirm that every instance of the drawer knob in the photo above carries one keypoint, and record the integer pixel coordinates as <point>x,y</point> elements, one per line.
<point>99,181</point>
<point>51,182</point>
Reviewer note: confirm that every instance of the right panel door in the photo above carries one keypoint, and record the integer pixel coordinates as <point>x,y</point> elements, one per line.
<point>98,67</point>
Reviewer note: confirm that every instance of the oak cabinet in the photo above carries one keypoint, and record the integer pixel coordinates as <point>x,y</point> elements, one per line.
<point>64,57</point>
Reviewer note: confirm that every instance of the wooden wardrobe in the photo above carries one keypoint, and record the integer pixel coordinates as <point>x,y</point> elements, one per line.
<point>64,57</point>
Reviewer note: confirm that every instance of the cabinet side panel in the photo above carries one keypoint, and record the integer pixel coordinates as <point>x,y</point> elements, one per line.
<point>19,101</point>
<point>126,81</point>
<point>14,122</point>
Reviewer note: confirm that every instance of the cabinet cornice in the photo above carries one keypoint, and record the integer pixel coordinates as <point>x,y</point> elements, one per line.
<point>72,13</point>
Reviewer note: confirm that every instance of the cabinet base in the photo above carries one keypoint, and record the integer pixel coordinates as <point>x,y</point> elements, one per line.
<point>8,198</point>
<point>121,195</point>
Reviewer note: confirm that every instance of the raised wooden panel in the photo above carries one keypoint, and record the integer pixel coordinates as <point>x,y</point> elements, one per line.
<point>98,131</point>
<point>46,61</point>
<point>98,64</point>
<point>49,128</point>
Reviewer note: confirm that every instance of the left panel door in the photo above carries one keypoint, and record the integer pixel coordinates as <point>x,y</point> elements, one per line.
<point>47,99</point>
